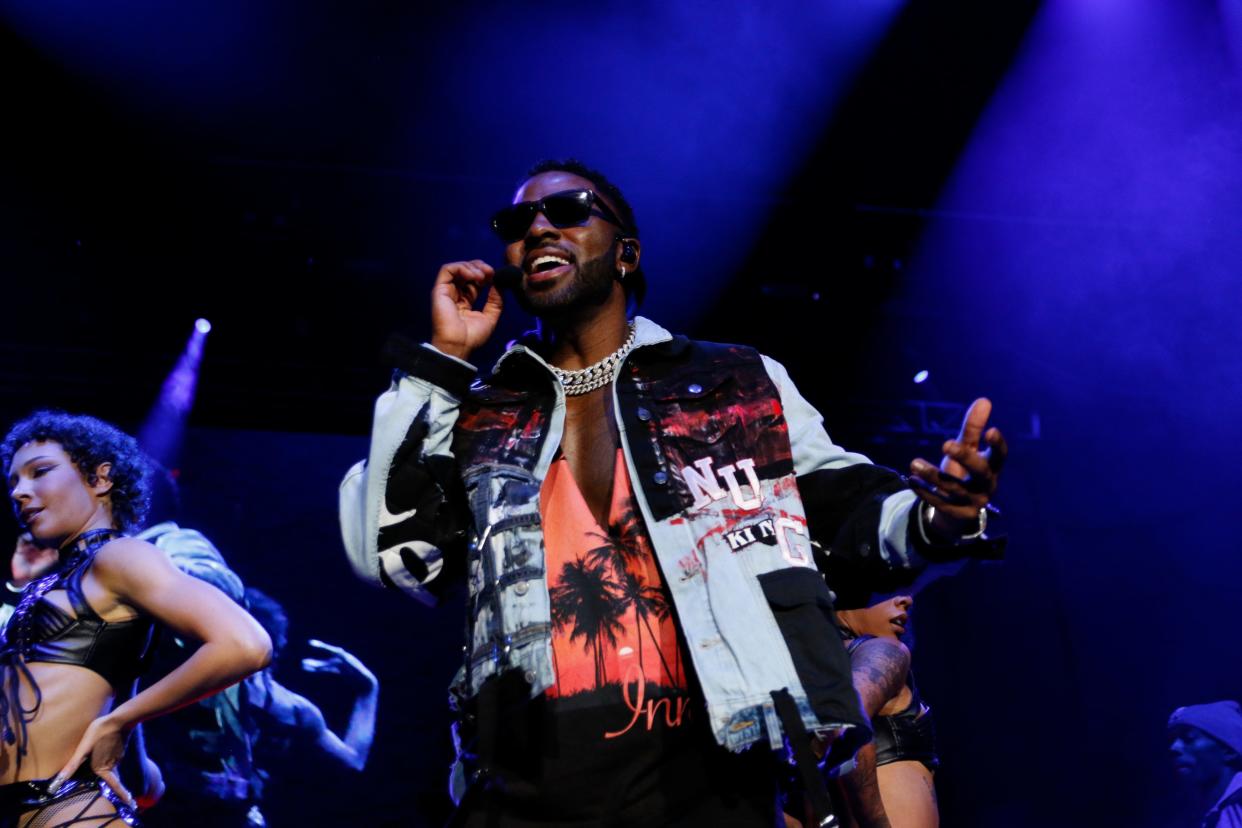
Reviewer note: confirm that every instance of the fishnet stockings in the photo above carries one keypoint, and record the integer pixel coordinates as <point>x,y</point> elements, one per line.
<point>88,808</point>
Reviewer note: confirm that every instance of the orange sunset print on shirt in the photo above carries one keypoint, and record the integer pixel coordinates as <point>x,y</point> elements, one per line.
<point>614,639</point>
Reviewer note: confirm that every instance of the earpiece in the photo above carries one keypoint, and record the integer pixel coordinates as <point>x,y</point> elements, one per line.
<point>629,254</point>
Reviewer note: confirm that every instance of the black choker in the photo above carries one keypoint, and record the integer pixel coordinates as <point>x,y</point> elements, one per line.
<point>88,542</point>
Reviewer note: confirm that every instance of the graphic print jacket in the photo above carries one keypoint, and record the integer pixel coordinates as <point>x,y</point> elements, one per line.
<point>741,489</point>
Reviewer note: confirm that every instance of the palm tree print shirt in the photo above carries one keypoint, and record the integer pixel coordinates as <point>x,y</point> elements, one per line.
<point>614,640</point>
<point>617,735</point>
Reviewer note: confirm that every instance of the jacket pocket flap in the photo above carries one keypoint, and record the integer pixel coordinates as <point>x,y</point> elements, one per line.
<point>799,586</point>
<point>691,386</point>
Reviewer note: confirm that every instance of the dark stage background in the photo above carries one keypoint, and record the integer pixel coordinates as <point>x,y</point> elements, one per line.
<point>1035,201</point>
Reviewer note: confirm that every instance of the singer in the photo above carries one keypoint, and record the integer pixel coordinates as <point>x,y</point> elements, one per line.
<point>642,521</point>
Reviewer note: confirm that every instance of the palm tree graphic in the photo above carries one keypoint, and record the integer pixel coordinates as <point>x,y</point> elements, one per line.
<point>646,601</point>
<point>625,544</point>
<point>587,600</point>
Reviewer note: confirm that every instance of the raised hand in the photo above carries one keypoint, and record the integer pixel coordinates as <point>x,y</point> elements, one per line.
<point>457,329</point>
<point>337,661</point>
<point>30,560</point>
<point>968,474</point>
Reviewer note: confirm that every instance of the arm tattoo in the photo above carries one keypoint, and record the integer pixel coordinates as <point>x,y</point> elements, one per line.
<point>879,670</point>
<point>862,791</point>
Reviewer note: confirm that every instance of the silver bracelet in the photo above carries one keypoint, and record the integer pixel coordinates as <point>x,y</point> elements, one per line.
<point>928,514</point>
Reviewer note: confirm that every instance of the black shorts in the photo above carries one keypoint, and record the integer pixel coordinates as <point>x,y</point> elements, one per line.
<point>18,799</point>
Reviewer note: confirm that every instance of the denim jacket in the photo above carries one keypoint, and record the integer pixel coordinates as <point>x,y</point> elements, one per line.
<point>741,489</point>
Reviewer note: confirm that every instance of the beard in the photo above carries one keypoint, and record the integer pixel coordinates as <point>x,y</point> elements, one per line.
<point>589,286</point>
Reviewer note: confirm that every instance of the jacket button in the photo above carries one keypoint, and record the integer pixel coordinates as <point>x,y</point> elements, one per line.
<point>521,587</point>
<point>644,414</point>
<point>660,478</point>
<point>695,388</point>
<point>530,677</point>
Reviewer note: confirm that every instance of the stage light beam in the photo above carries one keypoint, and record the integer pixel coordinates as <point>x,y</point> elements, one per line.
<point>162,433</point>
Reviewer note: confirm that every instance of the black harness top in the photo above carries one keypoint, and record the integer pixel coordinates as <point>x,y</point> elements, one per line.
<point>113,649</point>
<point>41,631</point>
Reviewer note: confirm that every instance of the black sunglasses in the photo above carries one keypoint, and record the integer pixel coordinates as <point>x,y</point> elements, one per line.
<point>569,208</point>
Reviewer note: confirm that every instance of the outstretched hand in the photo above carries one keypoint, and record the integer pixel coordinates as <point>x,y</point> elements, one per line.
<point>457,329</point>
<point>337,661</point>
<point>104,744</point>
<point>968,474</point>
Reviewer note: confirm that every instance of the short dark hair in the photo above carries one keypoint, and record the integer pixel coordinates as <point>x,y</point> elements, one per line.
<point>271,617</point>
<point>635,283</point>
<point>90,442</point>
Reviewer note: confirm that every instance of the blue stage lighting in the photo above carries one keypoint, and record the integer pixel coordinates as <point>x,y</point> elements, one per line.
<point>921,377</point>
<point>202,326</point>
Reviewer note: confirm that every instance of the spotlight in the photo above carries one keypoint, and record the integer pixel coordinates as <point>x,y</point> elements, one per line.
<point>161,434</point>
<point>921,377</point>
